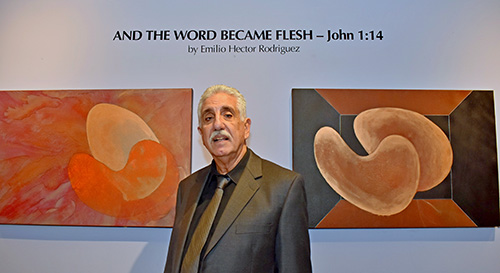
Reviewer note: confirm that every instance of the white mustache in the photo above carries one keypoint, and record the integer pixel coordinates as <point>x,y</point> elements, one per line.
<point>219,133</point>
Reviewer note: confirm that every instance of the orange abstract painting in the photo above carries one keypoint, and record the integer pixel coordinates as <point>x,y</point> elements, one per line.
<point>93,157</point>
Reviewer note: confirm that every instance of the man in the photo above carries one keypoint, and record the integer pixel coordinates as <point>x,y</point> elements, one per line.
<point>261,223</point>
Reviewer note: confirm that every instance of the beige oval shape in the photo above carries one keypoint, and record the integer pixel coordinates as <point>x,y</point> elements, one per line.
<point>112,131</point>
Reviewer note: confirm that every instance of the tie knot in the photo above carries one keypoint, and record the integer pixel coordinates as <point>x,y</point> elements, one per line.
<point>222,181</point>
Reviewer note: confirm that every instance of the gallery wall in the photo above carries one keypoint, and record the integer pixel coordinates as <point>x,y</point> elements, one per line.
<point>61,45</point>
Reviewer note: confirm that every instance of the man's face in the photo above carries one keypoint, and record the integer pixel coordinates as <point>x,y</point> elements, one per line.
<point>221,128</point>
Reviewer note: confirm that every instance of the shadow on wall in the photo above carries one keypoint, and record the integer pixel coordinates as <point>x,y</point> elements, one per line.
<point>403,235</point>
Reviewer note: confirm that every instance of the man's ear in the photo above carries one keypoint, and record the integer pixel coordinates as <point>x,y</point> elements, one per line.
<point>248,123</point>
<point>199,131</point>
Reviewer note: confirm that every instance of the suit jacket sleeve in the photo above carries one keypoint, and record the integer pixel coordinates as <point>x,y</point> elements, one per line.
<point>174,250</point>
<point>292,241</point>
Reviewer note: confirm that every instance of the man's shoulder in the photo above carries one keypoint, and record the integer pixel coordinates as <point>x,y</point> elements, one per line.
<point>269,167</point>
<point>203,172</point>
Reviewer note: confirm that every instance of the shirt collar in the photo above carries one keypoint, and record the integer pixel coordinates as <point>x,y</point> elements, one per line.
<point>237,171</point>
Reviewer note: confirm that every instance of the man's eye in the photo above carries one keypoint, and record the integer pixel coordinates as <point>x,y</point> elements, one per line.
<point>229,115</point>
<point>207,119</point>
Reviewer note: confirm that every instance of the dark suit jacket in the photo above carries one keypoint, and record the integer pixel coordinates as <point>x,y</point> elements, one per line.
<point>264,227</point>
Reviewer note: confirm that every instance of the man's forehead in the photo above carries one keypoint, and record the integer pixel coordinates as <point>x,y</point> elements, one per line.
<point>218,108</point>
<point>216,101</point>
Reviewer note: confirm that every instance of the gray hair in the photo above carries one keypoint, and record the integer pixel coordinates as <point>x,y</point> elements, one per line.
<point>241,103</point>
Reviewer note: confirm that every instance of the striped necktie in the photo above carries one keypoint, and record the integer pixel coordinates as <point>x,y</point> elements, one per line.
<point>191,260</point>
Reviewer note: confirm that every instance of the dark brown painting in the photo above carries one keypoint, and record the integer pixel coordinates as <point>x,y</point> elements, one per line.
<point>397,158</point>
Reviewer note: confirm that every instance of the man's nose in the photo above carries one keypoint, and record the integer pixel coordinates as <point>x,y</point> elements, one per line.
<point>218,122</point>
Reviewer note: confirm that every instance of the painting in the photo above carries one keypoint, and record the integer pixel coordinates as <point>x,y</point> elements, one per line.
<point>397,158</point>
<point>93,157</point>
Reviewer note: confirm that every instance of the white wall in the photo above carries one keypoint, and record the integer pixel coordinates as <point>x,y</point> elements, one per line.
<point>57,44</point>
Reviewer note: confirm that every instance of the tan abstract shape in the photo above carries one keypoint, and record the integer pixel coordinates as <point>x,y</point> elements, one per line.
<point>129,174</point>
<point>112,131</point>
<point>383,183</point>
<point>432,145</point>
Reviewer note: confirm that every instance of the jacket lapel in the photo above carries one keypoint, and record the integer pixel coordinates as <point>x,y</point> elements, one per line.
<point>248,184</point>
